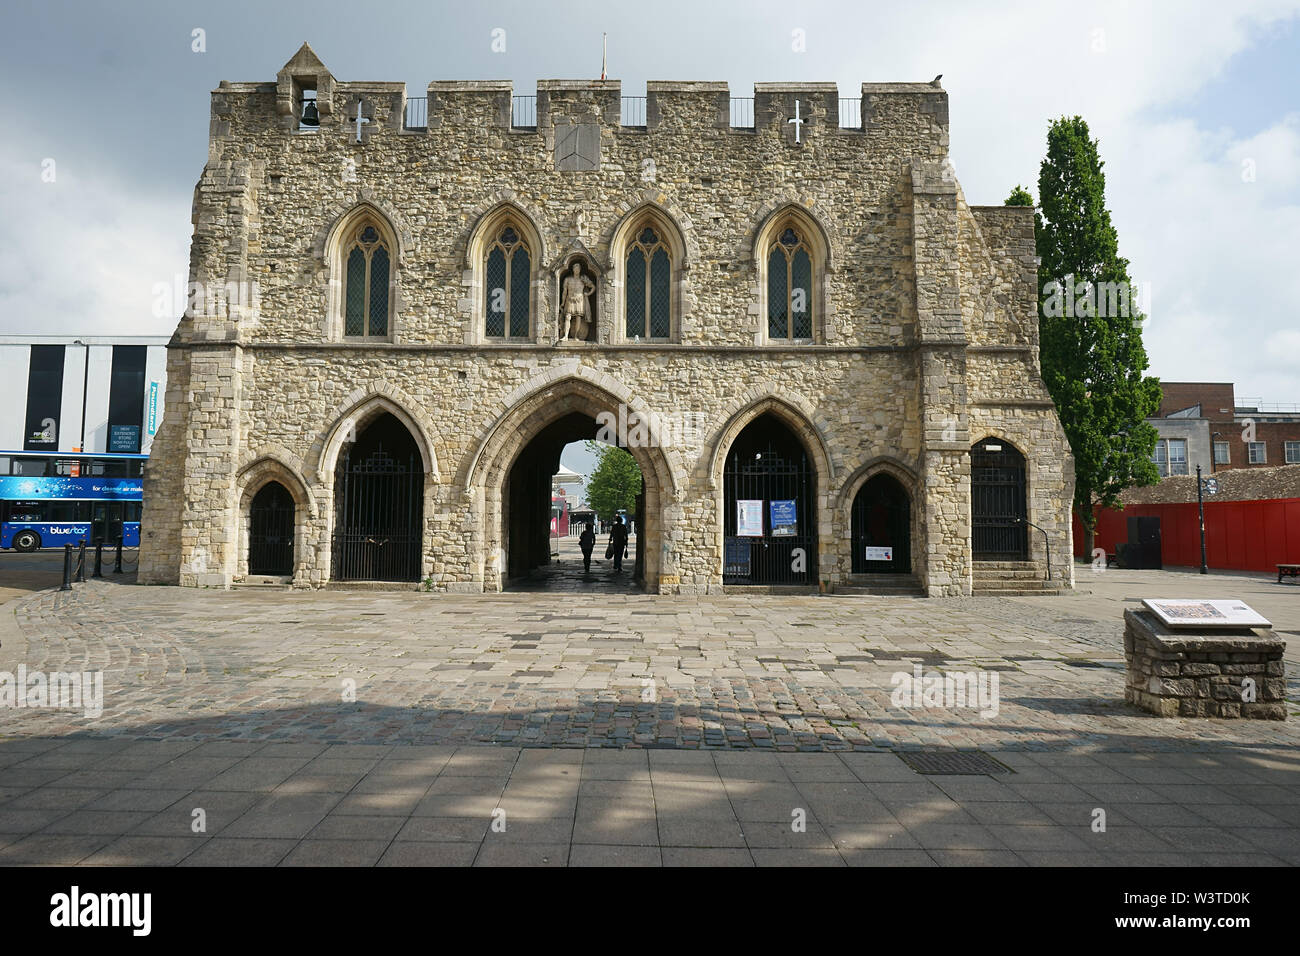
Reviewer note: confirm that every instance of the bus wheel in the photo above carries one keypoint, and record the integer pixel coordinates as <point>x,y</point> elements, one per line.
<point>27,540</point>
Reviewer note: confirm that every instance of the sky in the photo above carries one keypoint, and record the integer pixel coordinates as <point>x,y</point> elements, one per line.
<point>1196,106</point>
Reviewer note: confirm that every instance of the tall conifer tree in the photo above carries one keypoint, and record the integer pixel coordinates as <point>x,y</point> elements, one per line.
<point>1090,328</point>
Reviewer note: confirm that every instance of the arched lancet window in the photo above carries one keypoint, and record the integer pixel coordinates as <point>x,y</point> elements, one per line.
<point>790,285</point>
<point>648,286</point>
<point>508,287</point>
<point>366,293</point>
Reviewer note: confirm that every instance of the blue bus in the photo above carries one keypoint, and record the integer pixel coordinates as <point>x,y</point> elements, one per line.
<point>48,499</point>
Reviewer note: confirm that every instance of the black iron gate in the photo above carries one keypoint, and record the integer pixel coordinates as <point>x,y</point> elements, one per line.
<point>775,485</point>
<point>379,511</point>
<point>270,531</point>
<point>997,486</point>
<point>881,528</point>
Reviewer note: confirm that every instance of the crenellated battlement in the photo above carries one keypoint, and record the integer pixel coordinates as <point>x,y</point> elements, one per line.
<point>669,105</point>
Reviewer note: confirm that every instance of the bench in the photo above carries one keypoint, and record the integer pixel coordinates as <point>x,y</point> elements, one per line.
<point>1289,570</point>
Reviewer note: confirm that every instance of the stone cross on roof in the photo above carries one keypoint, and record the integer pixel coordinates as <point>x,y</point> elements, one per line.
<point>797,121</point>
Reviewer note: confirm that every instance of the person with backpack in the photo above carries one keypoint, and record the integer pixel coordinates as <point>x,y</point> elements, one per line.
<point>617,548</point>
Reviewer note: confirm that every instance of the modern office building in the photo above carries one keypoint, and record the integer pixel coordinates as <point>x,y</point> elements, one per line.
<point>89,393</point>
<point>1204,423</point>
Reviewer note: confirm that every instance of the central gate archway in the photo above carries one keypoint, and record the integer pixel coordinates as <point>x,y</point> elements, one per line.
<point>550,410</point>
<point>379,506</point>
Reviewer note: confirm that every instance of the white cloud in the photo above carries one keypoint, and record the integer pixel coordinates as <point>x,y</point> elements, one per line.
<point>86,250</point>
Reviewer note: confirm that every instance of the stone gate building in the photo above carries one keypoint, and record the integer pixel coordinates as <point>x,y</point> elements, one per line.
<point>823,360</point>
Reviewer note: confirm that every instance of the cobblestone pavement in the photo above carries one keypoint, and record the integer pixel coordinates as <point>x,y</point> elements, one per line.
<point>525,712</point>
<point>781,673</point>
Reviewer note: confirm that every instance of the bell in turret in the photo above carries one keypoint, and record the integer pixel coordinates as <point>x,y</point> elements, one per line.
<point>310,116</point>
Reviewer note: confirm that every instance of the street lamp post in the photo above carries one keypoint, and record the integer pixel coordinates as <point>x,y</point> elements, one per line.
<point>1200,508</point>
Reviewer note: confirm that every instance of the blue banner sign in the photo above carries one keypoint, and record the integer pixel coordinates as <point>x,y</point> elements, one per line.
<point>153,407</point>
<point>72,489</point>
<point>784,518</point>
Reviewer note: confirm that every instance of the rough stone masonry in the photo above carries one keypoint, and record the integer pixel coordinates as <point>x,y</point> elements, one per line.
<point>924,337</point>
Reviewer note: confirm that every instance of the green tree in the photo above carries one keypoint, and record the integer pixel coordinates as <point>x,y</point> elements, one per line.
<point>1020,196</point>
<point>1090,329</point>
<point>615,481</point>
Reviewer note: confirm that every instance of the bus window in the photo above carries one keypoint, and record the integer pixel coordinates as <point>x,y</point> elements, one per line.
<point>25,510</point>
<point>65,511</point>
<point>29,467</point>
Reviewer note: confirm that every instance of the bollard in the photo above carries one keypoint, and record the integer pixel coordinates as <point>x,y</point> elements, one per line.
<point>67,568</point>
<point>117,563</point>
<point>99,560</point>
<point>81,562</point>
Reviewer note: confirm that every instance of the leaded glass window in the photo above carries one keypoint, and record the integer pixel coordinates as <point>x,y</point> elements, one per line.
<point>790,287</point>
<point>508,286</point>
<point>648,287</point>
<point>366,292</point>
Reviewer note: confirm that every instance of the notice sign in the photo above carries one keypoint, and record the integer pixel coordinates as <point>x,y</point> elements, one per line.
<point>1190,612</point>
<point>880,554</point>
<point>784,518</point>
<point>737,558</point>
<point>749,518</point>
<point>124,438</point>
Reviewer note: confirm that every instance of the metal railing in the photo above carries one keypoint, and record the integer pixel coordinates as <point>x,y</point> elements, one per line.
<point>523,114</point>
<point>851,113</point>
<point>742,112</point>
<point>523,111</point>
<point>1261,407</point>
<point>417,113</point>
<point>633,111</point>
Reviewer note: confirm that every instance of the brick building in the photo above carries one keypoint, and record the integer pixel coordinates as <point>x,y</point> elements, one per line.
<point>1205,423</point>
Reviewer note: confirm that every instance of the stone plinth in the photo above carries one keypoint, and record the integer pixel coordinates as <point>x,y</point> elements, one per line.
<point>1203,674</point>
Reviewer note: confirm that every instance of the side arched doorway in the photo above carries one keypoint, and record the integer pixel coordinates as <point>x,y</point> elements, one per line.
<point>769,507</point>
<point>379,505</point>
<point>997,502</point>
<point>881,527</point>
<point>271,526</point>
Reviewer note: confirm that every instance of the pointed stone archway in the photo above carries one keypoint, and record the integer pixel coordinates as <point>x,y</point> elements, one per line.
<point>564,410</point>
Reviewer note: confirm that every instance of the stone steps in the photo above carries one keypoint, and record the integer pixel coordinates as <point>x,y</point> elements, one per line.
<point>1010,579</point>
<point>1017,592</point>
<point>262,583</point>
<point>854,590</point>
<point>889,585</point>
<point>786,589</point>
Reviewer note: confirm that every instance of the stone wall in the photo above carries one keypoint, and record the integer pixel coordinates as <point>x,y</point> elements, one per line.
<point>1203,674</point>
<point>925,330</point>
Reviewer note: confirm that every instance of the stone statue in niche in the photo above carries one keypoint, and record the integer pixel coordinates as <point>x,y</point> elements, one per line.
<point>576,314</point>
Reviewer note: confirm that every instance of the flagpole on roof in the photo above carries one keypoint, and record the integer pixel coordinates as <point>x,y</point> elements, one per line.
<point>603,37</point>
